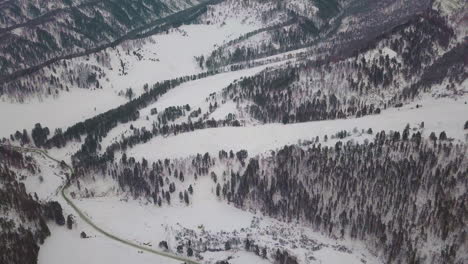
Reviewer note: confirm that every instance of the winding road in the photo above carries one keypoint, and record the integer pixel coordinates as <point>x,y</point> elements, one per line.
<point>89,221</point>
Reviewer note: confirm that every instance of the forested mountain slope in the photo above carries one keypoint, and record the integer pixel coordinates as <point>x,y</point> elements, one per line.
<point>37,34</point>
<point>385,63</point>
<point>234,131</point>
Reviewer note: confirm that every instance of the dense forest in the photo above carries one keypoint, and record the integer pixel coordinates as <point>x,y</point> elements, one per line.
<point>404,197</point>
<point>374,79</point>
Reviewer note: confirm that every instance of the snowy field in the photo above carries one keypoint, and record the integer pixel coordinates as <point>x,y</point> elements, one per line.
<point>192,93</point>
<point>438,115</point>
<point>66,246</point>
<point>165,56</point>
<point>172,55</point>
<point>61,112</point>
<point>144,223</point>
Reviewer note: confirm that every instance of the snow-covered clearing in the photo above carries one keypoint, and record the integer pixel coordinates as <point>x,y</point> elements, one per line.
<point>46,183</point>
<point>143,222</point>
<point>444,114</point>
<point>66,246</point>
<point>167,56</point>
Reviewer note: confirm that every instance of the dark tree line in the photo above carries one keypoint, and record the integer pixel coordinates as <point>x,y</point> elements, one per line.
<point>161,181</point>
<point>101,124</point>
<point>278,97</point>
<point>330,88</point>
<point>398,193</point>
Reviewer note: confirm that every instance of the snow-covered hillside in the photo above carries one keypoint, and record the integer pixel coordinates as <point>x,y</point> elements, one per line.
<point>130,65</point>
<point>233,132</point>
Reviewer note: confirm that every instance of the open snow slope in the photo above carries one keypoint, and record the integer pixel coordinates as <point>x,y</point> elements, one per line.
<point>173,55</point>
<point>66,246</point>
<point>439,115</point>
<point>61,112</point>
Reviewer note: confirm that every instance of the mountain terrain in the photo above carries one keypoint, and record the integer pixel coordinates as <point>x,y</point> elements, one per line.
<point>234,131</point>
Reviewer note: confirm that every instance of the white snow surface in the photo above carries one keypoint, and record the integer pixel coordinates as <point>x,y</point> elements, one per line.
<point>60,112</point>
<point>194,93</point>
<point>143,222</point>
<point>66,246</point>
<point>443,114</point>
<point>175,53</point>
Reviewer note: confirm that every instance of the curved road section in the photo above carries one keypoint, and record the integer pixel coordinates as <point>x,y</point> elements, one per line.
<point>91,223</point>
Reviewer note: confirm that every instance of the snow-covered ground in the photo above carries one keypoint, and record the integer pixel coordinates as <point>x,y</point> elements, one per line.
<point>66,246</point>
<point>167,56</point>
<point>145,223</point>
<point>61,112</point>
<point>164,56</point>
<point>194,93</point>
<point>443,114</point>
<point>46,183</point>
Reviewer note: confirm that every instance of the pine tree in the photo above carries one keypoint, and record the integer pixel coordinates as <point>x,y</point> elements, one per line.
<point>70,221</point>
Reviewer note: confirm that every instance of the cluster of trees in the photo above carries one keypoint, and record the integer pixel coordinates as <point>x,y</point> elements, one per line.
<point>87,156</point>
<point>283,257</point>
<point>284,37</point>
<point>22,138</point>
<point>172,113</point>
<point>23,224</point>
<point>358,85</point>
<point>280,96</point>
<point>398,193</point>
<point>450,67</point>
<point>39,135</point>
<point>161,182</point>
